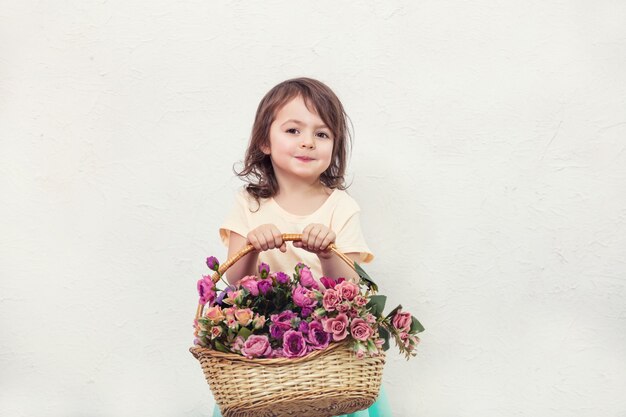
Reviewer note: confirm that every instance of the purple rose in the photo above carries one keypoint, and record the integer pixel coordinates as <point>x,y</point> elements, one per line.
<point>306,278</point>
<point>264,270</point>
<point>283,319</point>
<point>317,337</point>
<point>303,327</point>
<point>212,263</point>
<point>306,312</point>
<point>265,286</point>
<point>303,297</point>
<point>276,331</point>
<point>206,290</point>
<point>256,346</point>
<point>294,345</point>
<point>281,278</point>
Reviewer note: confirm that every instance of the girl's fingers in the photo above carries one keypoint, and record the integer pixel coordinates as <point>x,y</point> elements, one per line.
<point>327,241</point>
<point>278,237</point>
<point>269,239</point>
<point>283,247</point>
<point>312,238</point>
<point>319,240</point>
<point>254,241</point>
<point>262,241</point>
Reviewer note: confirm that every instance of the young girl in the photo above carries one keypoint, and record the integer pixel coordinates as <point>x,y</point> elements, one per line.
<point>294,168</point>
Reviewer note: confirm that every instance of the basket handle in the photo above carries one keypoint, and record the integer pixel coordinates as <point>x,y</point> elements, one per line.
<point>286,238</point>
<point>295,237</point>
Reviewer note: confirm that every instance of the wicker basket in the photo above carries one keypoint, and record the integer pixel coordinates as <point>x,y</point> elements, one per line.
<point>324,383</point>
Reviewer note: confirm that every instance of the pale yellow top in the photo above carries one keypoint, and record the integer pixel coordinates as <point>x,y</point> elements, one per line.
<point>339,212</point>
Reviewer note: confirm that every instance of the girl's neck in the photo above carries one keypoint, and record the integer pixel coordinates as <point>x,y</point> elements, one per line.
<point>301,199</point>
<point>299,189</point>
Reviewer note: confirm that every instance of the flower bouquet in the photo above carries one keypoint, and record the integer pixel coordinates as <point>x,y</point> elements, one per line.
<point>314,347</point>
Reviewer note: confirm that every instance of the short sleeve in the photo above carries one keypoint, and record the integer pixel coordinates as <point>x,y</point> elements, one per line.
<point>350,239</point>
<point>236,220</point>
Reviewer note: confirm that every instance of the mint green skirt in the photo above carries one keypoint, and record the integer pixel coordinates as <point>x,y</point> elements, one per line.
<point>380,408</point>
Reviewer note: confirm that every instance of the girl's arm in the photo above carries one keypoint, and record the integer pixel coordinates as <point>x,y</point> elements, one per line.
<point>246,265</point>
<point>334,267</point>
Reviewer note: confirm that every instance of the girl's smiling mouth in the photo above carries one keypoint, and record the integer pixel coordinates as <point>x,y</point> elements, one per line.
<point>304,158</point>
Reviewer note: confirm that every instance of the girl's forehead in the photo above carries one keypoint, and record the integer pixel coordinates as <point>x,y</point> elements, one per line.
<point>296,108</point>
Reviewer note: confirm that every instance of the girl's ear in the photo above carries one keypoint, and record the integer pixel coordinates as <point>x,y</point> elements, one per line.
<point>265,149</point>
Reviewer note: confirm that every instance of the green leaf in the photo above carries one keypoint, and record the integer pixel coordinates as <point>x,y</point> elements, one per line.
<point>394,311</point>
<point>416,326</point>
<point>376,304</point>
<point>220,347</point>
<point>365,278</point>
<point>244,332</point>
<point>384,334</point>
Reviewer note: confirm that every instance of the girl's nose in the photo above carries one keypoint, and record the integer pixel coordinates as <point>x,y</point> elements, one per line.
<point>307,142</point>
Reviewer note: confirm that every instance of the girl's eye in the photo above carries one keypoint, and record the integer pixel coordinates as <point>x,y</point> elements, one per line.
<point>292,130</point>
<point>324,135</point>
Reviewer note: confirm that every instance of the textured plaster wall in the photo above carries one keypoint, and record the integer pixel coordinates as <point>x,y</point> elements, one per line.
<point>489,162</point>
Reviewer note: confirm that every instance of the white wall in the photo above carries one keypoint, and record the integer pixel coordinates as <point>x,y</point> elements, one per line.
<point>489,162</point>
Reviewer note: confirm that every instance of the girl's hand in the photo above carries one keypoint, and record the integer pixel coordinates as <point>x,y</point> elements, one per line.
<point>266,236</point>
<point>316,238</point>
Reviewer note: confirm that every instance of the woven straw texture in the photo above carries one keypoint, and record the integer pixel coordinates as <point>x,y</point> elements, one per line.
<point>326,383</point>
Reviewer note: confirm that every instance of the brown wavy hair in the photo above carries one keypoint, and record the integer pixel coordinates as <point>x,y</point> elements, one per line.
<point>257,167</point>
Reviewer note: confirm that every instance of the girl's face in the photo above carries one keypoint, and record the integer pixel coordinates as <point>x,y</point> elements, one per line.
<point>301,145</point>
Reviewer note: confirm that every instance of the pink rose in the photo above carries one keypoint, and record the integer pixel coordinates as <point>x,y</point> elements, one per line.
<point>330,300</point>
<point>303,297</point>
<point>405,339</point>
<point>258,322</point>
<point>216,332</point>
<point>360,330</point>
<point>316,336</point>
<point>343,307</point>
<point>229,313</point>
<point>250,283</point>
<point>234,297</point>
<point>402,321</point>
<point>347,290</point>
<point>238,344</point>
<point>359,349</point>
<point>337,326</point>
<point>360,301</point>
<point>206,290</point>
<point>306,278</point>
<point>244,316</point>
<point>214,314</point>
<point>256,346</point>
